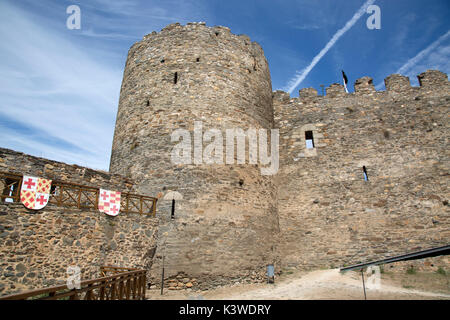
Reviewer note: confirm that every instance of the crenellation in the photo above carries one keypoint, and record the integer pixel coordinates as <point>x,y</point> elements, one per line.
<point>335,90</point>
<point>432,79</point>
<point>221,31</point>
<point>246,39</point>
<point>307,93</point>
<point>280,95</point>
<point>396,83</point>
<point>171,27</point>
<point>364,86</point>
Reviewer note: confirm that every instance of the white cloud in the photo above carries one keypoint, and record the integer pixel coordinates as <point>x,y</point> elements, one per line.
<point>49,83</point>
<point>66,83</point>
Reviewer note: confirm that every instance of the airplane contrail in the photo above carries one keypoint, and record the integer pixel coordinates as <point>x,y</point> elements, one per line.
<point>295,81</point>
<point>413,61</point>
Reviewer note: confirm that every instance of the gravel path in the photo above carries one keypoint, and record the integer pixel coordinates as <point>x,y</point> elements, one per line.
<point>320,284</point>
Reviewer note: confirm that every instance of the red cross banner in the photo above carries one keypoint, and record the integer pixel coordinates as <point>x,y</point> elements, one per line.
<point>109,202</point>
<point>35,192</point>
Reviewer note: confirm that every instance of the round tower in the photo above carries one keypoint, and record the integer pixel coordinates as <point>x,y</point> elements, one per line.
<point>225,226</point>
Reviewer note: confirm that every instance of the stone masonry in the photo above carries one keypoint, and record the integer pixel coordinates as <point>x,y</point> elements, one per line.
<point>223,228</point>
<point>36,247</point>
<point>317,211</point>
<point>329,215</point>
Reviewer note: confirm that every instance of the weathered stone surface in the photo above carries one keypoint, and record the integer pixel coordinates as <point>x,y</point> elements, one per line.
<point>227,220</point>
<point>37,259</point>
<point>317,211</point>
<point>400,136</point>
<point>21,267</point>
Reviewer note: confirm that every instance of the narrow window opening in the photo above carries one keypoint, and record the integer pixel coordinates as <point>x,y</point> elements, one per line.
<point>175,78</point>
<point>172,216</point>
<point>309,139</point>
<point>241,182</point>
<point>366,177</point>
<point>148,103</point>
<point>217,34</point>
<point>198,59</point>
<point>162,61</point>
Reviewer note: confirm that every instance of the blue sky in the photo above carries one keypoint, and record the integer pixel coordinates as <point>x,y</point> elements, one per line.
<point>59,88</point>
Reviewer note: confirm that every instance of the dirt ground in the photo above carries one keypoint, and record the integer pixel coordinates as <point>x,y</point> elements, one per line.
<point>324,284</point>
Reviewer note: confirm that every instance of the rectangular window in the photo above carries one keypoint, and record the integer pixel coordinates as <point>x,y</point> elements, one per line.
<point>309,139</point>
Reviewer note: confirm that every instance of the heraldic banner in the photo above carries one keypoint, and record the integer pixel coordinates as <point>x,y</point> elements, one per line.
<point>35,192</point>
<point>109,202</point>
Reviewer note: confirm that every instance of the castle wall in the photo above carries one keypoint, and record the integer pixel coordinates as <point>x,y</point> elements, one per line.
<point>36,247</point>
<point>225,225</point>
<point>329,215</point>
<point>317,211</point>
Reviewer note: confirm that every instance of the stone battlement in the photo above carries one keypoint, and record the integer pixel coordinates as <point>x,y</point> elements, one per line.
<point>395,83</point>
<point>202,28</point>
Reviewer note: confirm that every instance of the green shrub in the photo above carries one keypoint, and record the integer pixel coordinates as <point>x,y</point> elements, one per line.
<point>411,270</point>
<point>440,270</point>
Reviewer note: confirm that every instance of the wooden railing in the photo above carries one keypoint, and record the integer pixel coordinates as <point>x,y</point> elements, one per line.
<point>75,195</point>
<point>129,285</point>
<point>107,270</point>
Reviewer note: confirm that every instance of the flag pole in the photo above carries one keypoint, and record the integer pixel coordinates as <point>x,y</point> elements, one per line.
<point>345,80</point>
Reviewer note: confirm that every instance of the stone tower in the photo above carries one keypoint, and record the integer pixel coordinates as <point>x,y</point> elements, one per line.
<point>226,225</point>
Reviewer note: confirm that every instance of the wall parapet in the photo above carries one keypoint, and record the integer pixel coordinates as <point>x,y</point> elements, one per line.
<point>364,85</point>
<point>21,163</point>
<point>394,83</point>
<point>432,78</point>
<point>215,31</point>
<point>280,95</point>
<point>397,83</point>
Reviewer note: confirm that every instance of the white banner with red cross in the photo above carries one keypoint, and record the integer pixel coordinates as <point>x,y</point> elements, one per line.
<point>109,202</point>
<point>35,192</point>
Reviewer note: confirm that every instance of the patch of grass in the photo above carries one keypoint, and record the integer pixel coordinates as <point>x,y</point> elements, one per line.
<point>411,270</point>
<point>441,270</point>
<point>45,295</point>
<point>39,296</point>
<point>408,287</point>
